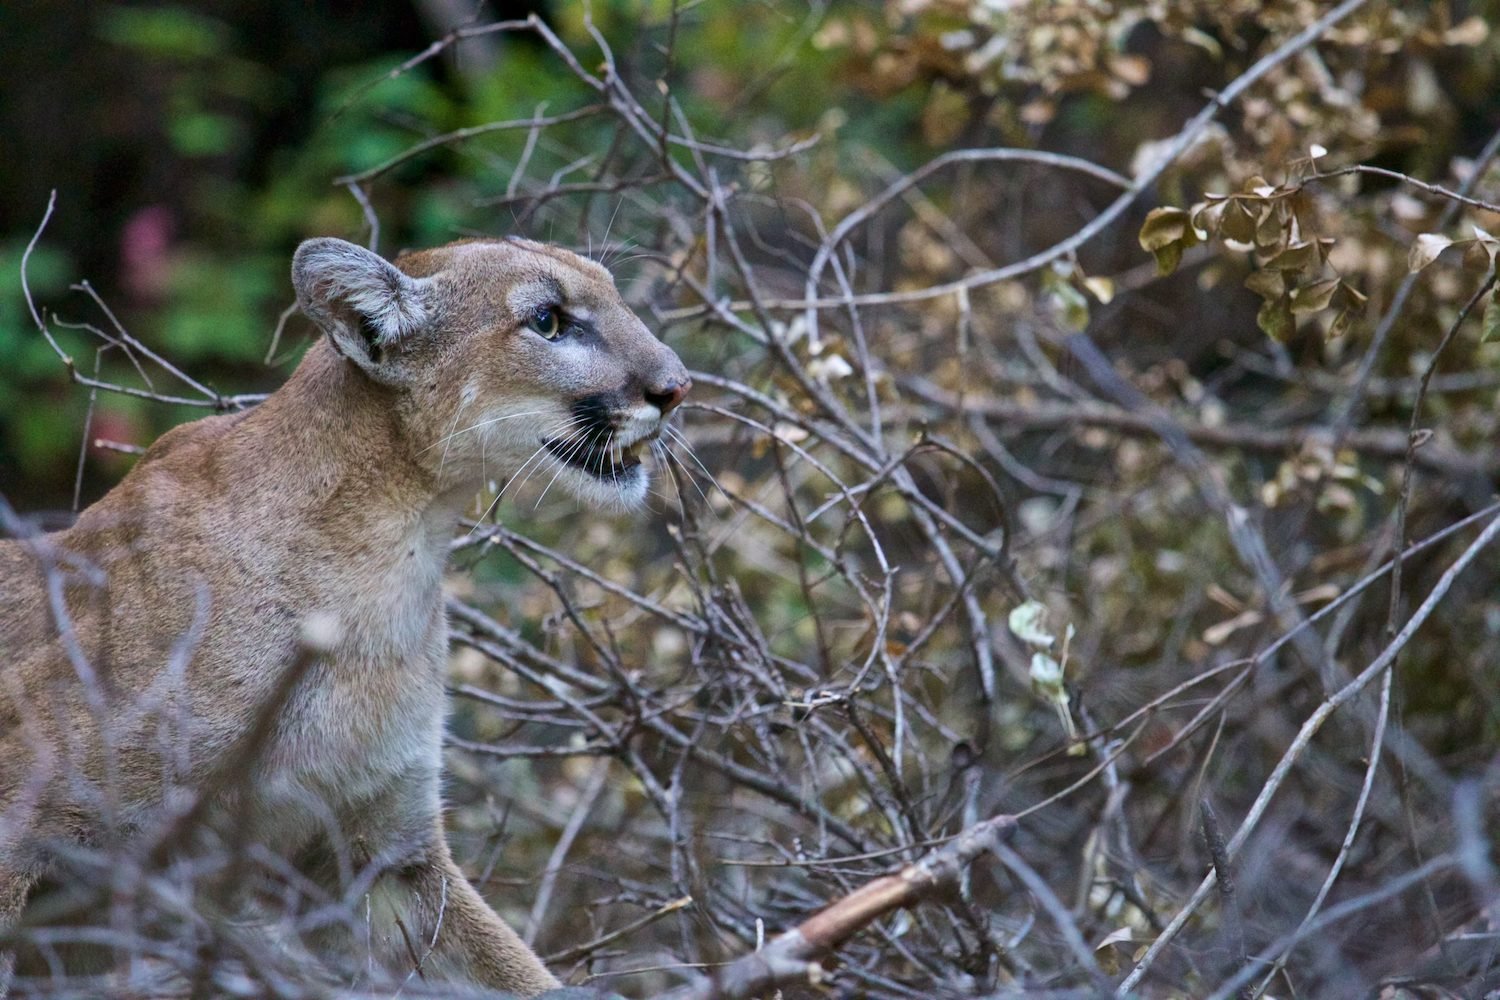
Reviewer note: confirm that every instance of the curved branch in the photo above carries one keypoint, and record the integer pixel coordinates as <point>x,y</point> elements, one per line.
<point>793,956</point>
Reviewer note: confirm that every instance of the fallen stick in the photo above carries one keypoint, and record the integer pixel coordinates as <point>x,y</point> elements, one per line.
<point>794,956</point>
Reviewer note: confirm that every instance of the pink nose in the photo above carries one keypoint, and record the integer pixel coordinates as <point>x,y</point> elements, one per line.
<point>666,399</point>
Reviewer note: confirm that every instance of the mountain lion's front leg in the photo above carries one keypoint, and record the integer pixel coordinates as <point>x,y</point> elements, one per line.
<point>13,887</point>
<point>425,917</point>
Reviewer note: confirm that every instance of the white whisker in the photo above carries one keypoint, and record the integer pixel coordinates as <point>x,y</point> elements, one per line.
<point>476,426</point>
<point>618,252</point>
<point>680,439</point>
<point>583,440</point>
<point>456,414</point>
<point>659,449</point>
<point>604,243</point>
<point>564,433</point>
<point>564,427</point>
<point>644,255</point>
<point>687,474</point>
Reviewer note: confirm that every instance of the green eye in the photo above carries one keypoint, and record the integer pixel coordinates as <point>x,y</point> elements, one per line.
<point>546,321</point>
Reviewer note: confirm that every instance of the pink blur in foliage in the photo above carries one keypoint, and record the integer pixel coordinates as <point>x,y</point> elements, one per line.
<point>145,244</point>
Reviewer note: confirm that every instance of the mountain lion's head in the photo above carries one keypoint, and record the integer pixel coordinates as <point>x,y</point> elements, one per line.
<point>503,358</point>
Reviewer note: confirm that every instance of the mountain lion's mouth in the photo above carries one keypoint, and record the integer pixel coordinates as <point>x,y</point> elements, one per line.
<point>597,456</point>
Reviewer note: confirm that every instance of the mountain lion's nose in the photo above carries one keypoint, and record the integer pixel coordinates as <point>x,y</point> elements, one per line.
<point>667,397</point>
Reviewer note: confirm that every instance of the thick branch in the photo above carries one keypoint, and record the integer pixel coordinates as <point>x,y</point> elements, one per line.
<point>1388,443</point>
<point>793,956</point>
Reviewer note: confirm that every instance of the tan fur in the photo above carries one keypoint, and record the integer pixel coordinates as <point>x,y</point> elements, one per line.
<point>137,647</point>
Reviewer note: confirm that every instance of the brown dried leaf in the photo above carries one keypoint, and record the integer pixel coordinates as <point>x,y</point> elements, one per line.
<point>1341,323</point>
<point>1473,30</point>
<point>1257,186</point>
<point>1314,296</point>
<point>1237,224</point>
<point>1206,216</point>
<point>1266,284</point>
<point>1476,256</point>
<point>1425,250</point>
<point>1296,257</point>
<point>1271,230</point>
<point>1133,69</point>
<point>1103,289</point>
<point>1164,226</point>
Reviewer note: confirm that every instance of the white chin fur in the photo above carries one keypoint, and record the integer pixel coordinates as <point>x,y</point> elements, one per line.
<point>625,493</point>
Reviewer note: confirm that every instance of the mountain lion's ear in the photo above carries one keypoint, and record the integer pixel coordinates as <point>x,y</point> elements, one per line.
<point>364,304</point>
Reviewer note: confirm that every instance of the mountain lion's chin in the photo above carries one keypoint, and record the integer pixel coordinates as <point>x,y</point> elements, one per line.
<point>620,491</point>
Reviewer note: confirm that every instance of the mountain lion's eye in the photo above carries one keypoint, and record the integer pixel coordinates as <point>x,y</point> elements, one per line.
<point>547,321</point>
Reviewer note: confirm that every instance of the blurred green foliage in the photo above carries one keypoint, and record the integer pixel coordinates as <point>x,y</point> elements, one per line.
<point>239,140</point>
<point>230,121</point>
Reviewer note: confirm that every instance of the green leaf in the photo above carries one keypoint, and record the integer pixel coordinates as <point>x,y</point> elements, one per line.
<point>1047,675</point>
<point>1275,318</point>
<point>1071,305</point>
<point>1490,327</point>
<point>171,31</point>
<point>1167,258</point>
<point>1029,623</point>
<point>202,134</point>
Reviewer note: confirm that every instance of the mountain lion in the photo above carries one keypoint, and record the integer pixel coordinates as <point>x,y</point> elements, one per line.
<point>244,642</point>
